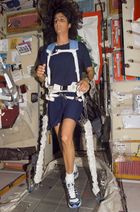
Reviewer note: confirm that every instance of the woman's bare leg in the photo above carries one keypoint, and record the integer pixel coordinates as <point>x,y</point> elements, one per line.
<point>67,146</point>
<point>67,130</point>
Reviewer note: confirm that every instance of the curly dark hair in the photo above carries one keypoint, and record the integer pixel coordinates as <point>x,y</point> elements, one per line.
<point>69,8</point>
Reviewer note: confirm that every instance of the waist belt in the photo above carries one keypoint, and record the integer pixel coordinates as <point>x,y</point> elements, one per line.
<point>59,90</point>
<point>51,97</point>
<point>62,88</point>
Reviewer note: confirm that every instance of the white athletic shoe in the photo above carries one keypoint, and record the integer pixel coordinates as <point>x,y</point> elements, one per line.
<point>76,174</point>
<point>74,200</point>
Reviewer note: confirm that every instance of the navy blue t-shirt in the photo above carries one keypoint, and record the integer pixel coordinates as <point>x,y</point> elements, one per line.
<point>62,65</point>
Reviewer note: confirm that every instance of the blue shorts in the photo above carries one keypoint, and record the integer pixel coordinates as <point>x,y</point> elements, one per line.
<point>62,108</point>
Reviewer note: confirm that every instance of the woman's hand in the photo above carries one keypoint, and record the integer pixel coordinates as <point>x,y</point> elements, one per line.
<point>40,72</point>
<point>83,86</point>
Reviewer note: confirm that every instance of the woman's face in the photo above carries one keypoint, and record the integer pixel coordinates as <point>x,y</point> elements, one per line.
<point>61,24</point>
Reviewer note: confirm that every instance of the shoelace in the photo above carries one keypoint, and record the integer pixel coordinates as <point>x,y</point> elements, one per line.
<point>71,190</point>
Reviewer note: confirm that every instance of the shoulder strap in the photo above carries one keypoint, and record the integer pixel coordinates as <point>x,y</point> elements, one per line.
<point>73,44</point>
<point>50,48</point>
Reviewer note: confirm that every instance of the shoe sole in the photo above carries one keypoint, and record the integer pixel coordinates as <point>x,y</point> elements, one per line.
<point>75,206</point>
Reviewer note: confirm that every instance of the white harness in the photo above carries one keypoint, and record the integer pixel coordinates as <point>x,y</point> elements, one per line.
<point>58,90</point>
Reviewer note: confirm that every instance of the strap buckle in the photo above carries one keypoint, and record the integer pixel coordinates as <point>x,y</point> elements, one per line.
<point>63,87</point>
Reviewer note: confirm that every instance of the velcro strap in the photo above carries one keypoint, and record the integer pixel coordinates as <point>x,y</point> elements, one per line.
<point>62,88</point>
<point>52,97</point>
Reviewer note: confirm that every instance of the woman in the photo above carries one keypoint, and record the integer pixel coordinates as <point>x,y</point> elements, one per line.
<point>62,70</point>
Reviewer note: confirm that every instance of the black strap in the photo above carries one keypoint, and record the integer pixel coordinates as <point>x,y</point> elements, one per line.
<point>63,87</point>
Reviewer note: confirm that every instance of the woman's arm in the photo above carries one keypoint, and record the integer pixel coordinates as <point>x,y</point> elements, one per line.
<point>84,84</point>
<point>90,73</point>
<point>40,73</point>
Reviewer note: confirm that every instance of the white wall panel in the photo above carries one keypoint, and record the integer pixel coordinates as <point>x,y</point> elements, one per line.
<point>122,111</point>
